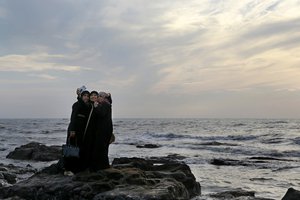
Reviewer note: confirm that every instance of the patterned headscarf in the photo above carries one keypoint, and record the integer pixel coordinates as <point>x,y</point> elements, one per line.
<point>106,96</point>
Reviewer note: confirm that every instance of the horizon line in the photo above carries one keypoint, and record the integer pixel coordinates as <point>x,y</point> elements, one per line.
<point>275,118</point>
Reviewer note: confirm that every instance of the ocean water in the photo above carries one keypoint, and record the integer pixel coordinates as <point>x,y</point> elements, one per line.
<point>198,140</point>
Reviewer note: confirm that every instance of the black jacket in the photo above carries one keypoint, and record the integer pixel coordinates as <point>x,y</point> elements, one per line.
<point>97,139</point>
<point>78,122</point>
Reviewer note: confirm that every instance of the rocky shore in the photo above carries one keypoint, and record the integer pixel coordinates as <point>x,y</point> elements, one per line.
<point>127,179</point>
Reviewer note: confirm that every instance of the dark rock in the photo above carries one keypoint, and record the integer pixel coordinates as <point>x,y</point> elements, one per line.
<point>3,169</point>
<point>10,178</point>
<point>129,178</point>
<point>229,162</point>
<point>166,189</point>
<point>175,156</point>
<point>233,194</point>
<point>149,146</point>
<point>292,194</point>
<point>258,163</point>
<point>133,162</point>
<point>52,169</point>
<point>215,143</point>
<point>9,174</point>
<point>167,159</point>
<point>16,170</point>
<point>36,151</point>
<point>237,194</point>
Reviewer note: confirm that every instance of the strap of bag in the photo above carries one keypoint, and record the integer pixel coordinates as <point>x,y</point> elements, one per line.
<point>88,121</point>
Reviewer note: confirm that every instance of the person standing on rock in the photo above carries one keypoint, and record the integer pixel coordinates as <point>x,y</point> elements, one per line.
<point>99,134</point>
<point>76,130</point>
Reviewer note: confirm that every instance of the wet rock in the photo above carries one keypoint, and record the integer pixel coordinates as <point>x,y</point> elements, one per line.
<point>149,146</point>
<point>258,162</point>
<point>167,159</point>
<point>165,189</point>
<point>10,174</point>
<point>229,162</point>
<point>36,151</point>
<point>234,194</point>
<point>133,162</point>
<point>159,168</point>
<point>16,169</point>
<point>215,143</point>
<point>129,178</point>
<point>2,168</point>
<point>292,194</point>
<point>10,178</point>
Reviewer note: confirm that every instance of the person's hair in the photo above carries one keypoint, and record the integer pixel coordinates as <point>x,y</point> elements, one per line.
<point>94,92</point>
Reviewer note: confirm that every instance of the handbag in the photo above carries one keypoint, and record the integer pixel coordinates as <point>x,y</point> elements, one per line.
<point>70,151</point>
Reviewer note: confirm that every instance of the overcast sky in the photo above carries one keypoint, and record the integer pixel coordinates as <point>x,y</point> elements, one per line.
<point>170,58</point>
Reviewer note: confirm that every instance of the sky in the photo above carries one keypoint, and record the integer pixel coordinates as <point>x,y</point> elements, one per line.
<point>171,58</point>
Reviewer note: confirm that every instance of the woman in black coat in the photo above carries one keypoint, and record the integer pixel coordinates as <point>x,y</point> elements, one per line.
<point>76,130</point>
<point>99,134</point>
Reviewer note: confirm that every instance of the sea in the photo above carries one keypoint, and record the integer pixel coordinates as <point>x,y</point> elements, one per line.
<point>199,141</point>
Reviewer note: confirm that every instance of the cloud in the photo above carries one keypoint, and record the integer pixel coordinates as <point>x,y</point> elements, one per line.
<point>35,62</point>
<point>244,46</point>
<point>44,76</point>
<point>120,85</point>
<point>277,29</point>
<point>142,49</point>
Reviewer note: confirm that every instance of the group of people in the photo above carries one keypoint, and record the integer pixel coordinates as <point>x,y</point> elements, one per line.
<point>90,129</point>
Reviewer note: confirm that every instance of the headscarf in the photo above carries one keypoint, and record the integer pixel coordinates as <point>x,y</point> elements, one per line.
<point>84,92</point>
<point>106,96</point>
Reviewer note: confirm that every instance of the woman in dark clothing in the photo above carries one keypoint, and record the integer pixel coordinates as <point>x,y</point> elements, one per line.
<point>98,135</point>
<point>80,113</point>
<point>76,130</point>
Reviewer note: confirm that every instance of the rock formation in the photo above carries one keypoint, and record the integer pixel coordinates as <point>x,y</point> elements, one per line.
<point>36,151</point>
<point>128,178</point>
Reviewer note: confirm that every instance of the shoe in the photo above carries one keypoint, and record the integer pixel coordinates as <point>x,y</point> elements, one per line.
<point>68,173</point>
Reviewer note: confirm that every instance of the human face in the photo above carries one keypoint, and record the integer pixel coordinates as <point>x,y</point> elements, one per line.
<point>93,97</point>
<point>100,99</point>
<point>85,98</point>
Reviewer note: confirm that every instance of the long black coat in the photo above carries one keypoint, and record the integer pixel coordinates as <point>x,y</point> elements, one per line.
<point>78,122</point>
<point>98,136</point>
